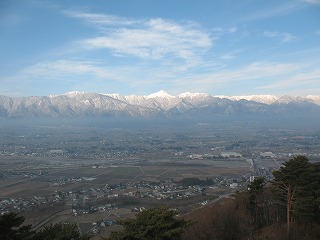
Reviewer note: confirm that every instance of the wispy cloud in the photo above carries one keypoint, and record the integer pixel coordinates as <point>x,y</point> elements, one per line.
<point>313,1</point>
<point>273,11</point>
<point>48,76</point>
<point>100,20</point>
<point>283,37</point>
<point>296,81</point>
<point>254,71</point>
<point>255,74</point>
<point>63,69</point>
<point>11,20</point>
<point>227,56</point>
<point>153,39</point>
<point>84,75</point>
<point>219,32</point>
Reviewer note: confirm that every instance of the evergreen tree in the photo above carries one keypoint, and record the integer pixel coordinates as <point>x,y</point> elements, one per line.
<point>308,198</point>
<point>255,189</point>
<point>11,229</point>
<point>153,224</point>
<point>291,180</point>
<point>59,231</point>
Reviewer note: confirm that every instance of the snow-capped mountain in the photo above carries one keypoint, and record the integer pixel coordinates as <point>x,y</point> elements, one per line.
<point>159,104</point>
<point>315,99</point>
<point>267,99</point>
<point>161,94</point>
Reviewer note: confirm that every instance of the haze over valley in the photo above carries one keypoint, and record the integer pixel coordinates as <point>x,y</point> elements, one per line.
<point>84,174</point>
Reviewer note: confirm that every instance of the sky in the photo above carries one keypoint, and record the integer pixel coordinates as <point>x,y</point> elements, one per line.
<point>139,47</point>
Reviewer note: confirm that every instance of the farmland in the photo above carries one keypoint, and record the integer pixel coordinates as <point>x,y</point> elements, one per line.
<point>107,191</point>
<point>93,175</point>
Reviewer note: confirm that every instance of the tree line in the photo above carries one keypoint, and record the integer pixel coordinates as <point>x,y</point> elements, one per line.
<point>12,228</point>
<point>288,207</point>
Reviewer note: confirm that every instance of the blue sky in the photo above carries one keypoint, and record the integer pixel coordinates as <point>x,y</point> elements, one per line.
<point>227,47</point>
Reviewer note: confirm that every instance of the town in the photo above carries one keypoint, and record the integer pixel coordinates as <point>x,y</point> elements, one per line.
<point>96,176</point>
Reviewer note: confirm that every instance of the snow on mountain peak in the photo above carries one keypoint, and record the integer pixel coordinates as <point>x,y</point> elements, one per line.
<point>315,99</point>
<point>113,95</point>
<point>162,104</point>
<point>266,99</point>
<point>167,101</point>
<point>160,94</point>
<point>68,94</point>
<point>287,99</point>
<point>192,95</point>
<point>73,93</point>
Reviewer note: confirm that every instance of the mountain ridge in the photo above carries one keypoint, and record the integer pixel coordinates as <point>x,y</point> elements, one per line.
<point>159,104</point>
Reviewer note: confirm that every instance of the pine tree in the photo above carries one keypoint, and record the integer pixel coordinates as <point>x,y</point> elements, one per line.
<point>11,229</point>
<point>59,231</point>
<point>153,224</point>
<point>291,181</point>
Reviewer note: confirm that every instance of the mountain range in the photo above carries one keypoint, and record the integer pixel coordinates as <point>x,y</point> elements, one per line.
<point>156,105</point>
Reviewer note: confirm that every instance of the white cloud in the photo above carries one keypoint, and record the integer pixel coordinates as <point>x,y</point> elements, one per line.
<point>93,76</point>
<point>154,42</point>
<point>313,1</point>
<point>279,9</point>
<point>298,81</point>
<point>65,70</point>
<point>268,77</point>
<point>253,71</point>
<point>91,73</point>
<point>283,37</point>
<point>233,30</point>
<point>52,76</point>
<point>100,20</point>
<point>219,31</point>
<point>227,56</point>
<point>149,38</point>
<point>255,74</point>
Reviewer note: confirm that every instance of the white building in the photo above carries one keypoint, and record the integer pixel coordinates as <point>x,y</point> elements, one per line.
<point>231,154</point>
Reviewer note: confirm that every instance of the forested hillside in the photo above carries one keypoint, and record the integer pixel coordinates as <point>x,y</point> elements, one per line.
<point>286,208</point>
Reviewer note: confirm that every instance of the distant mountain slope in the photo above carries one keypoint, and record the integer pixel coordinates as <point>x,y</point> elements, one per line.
<point>160,104</point>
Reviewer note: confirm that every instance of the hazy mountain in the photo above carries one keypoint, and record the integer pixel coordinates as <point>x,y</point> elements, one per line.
<point>160,104</point>
<point>267,99</point>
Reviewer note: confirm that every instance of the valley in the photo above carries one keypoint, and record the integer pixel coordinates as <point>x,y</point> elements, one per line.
<point>95,176</point>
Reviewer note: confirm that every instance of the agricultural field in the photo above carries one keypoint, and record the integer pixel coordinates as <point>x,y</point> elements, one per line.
<point>32,183</point>
<point>89,176</point>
